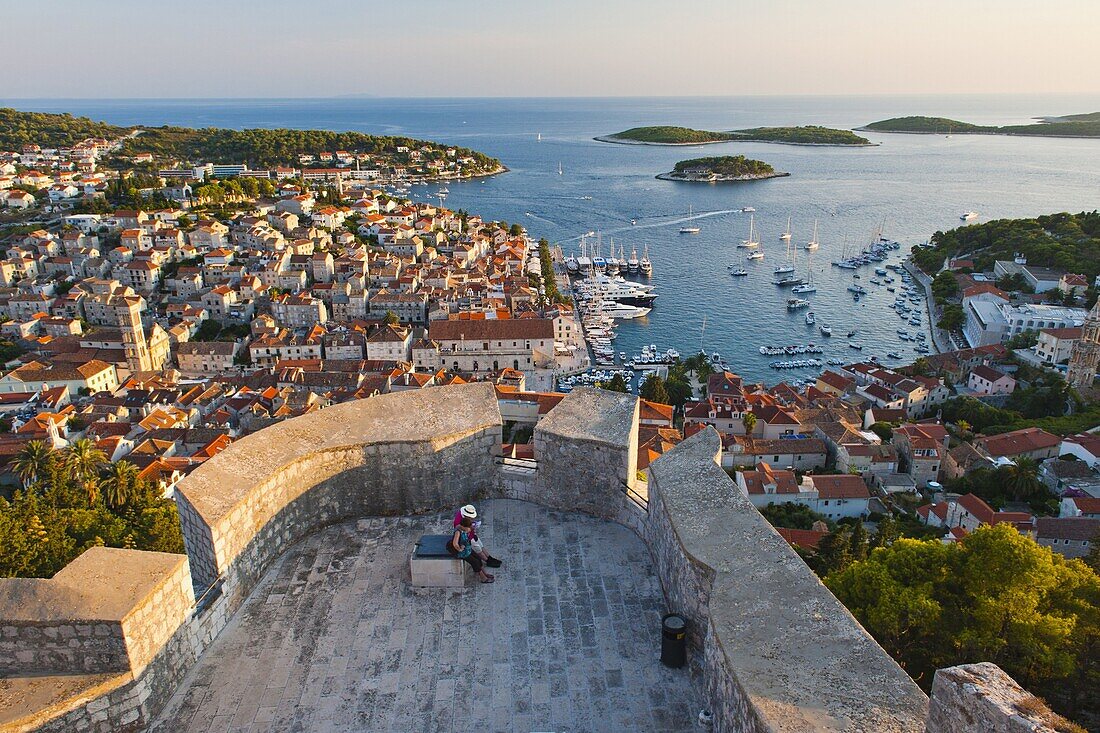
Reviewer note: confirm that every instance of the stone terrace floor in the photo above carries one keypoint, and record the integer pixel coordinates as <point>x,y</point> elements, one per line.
<point>334,639</point>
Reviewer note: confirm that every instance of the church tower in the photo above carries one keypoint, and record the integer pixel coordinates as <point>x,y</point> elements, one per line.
<point>1086,352</point>
<point>128,319</point>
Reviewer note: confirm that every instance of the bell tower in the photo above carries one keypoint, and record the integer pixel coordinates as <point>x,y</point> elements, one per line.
<point>1086,352</point>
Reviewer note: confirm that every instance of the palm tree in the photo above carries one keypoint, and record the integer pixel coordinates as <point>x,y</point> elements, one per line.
<point>83,460</point>
<point>31,463</point>
<point>1022,479</point>
<point>119,483</point>
<point>749,421</point>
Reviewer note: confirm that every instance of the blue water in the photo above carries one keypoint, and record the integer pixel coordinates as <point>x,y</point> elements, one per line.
<point>919,183</point>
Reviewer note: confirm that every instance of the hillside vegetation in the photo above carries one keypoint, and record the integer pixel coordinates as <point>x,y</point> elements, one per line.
<point>49,130</point>
<point>257,147</point>
<point>1082,125</point>
<point>727,165</point>
<point>1069,242</point>
<point>806,135</point>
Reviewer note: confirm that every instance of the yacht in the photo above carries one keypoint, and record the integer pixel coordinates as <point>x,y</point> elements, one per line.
<point>757,255</point>
<point>571,264</point>
<point>599,263</point>
<point>782,269</point>
<point>857,289</point>
<point>826,331</point>
<point>810,318</point>
<point>794,304</point>
<point>804,288</point>
<point>968,215</point>
<point>603,287</point>
<point>813,244</point>
<point>623,311</point>
<point>645,266</point>
<point>786,236</point>
<point>740,272</point>
<point>632,263</point>
<point>747,209</point>
<point>785,280</point>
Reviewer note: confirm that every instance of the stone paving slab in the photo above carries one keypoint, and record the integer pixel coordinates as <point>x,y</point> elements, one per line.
<point>334,638</point>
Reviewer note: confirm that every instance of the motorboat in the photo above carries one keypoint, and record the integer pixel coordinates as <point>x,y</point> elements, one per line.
<point>757,255</point>
<point>968,215</point>
<point>645,266</point>
<point>826,331</point>
<point>794,304</point>
<point>632,263</point>
<point>810,318</point>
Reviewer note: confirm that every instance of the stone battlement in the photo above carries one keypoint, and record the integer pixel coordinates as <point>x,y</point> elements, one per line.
<point>770,646</point>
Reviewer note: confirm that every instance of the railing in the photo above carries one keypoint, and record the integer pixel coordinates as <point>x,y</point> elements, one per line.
<point>638,497</point>
<point>211,594</point>
<point>527,463</point>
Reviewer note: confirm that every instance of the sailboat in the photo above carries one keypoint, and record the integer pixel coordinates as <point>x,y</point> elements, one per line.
<point>787,267</point>
<point>689,228</point>
<point>559,168</point>
<point>740,271</point>
<point>786,236</point>
<point>538,138</point>
<point>812,244</point>
<point>752,242</point>
<point>807,286</point>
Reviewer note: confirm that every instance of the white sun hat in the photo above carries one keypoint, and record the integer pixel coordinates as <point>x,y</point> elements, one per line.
<point>469,512</point>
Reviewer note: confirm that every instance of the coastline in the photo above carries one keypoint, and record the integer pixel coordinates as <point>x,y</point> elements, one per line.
<point>672,176</point>
<point>622,141</point>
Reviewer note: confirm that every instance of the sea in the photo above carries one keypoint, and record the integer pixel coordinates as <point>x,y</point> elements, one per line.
<point>910,186</point>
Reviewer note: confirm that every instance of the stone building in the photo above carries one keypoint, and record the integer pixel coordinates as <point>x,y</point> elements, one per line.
<point>1085,359</point>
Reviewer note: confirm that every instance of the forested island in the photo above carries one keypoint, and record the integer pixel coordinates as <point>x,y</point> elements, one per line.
<point>1082,125</point>
<point>721,168</point>
<point>671,135</point>
<point>254,147</point>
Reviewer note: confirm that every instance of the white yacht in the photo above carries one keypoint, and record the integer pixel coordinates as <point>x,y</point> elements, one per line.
<point>645,266</point>
<point>756,255</point>
<point>622,310</point>
<point>794,304</point>
<point>689,228</point>
<point>813,244</point>
<point>632,263</point>
<point>571,264</point>
<point>810,318</point>
<point>786,236</point>
<point>807,287</point>
<point>826,331</point>
<point>782,269</point>
<point>968,215</point>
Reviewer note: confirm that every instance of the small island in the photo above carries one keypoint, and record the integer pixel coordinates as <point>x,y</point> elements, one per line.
<point>721,168</point>
<point>671,135</point>
<point>1082,125</point>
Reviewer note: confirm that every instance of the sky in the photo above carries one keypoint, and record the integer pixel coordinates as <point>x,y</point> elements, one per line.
<point>520,48</point>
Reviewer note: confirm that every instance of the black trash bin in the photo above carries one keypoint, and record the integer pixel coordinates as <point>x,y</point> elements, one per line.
<point>673,640</point>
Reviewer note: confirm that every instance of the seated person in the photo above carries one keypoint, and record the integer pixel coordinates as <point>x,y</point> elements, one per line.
<point>460,546</point>
<point>479,549</point>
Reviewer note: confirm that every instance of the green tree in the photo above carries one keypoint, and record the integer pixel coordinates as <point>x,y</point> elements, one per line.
<point>749,422</point>
<point>952,317</point>
<point>1022,479</point>
<point>616,384</point>
<point>834,552</point>
<point>32,461</point>
<point>391,319</point>
<point>883,430</point>
<point>83,460</point>
<point>858,542</point>
<point>887,532</point>
<point>996,595</point>
<point>945,286</point>
<point>792,515</point>
<point>119,483</point>
<point>679,391</point>
<point>1023,340</point>
<point>653,389</point>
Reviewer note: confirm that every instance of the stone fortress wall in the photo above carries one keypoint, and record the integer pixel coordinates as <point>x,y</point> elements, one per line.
<point>102,645</point>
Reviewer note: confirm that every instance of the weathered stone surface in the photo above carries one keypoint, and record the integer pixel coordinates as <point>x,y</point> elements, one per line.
<point>981,697</point>
<point>780,653</point>
<point>332,639</point>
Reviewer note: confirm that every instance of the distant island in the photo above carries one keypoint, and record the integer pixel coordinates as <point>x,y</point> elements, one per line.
<point>148,146</point>
<point>1082,125</point>
<point>671,135</point>
<point>721,168</point>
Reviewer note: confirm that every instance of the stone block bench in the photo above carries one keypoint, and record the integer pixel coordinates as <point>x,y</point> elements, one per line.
<point>431,566</point>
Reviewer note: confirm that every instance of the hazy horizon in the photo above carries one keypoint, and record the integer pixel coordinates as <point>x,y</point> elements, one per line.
<point>494,49</point>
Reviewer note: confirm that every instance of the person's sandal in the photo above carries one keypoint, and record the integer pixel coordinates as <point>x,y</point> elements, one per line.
<point>488,579</point>
<point>493,562</point>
